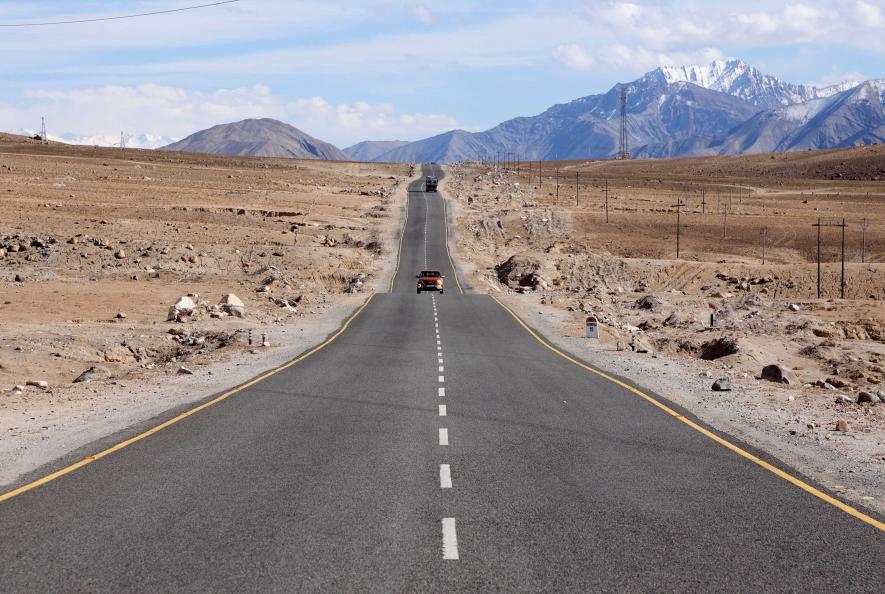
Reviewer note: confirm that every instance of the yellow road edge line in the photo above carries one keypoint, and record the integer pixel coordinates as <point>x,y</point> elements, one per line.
<point>402,236</point>
<point>736,449</point>
<point>119,446</point>
<point>448,253</point>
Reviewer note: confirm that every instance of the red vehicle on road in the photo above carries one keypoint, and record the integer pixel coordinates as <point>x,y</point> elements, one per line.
<point>430,280</point>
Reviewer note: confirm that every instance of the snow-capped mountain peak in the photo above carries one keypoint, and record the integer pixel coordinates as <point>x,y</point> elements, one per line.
<point>736,77</point>
<point>718,75</point>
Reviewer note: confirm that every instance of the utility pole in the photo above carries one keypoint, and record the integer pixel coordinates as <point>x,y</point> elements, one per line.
<point>725,222</point>
<point>517,165</point>
<point>703,201</point>
<point>606,200</point>
<point>577,181</point>
<point>764,233</point>
<point>842,283</point>
<point>679,205</point>
<point>557,185</point>
<point>863,241</point>
<point>43,129</point>
<point>818,257</point>
<point>122,141</point>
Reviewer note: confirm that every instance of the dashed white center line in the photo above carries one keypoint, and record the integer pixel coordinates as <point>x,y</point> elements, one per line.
<point>438,343</point>
<point>445,476</point>
<point>443,436</point>
<point>442,410</point>
<point>441,369</point>
<point>440,360</point>
<point>450,539</point>
<point>442,392</point>
<point>442,379</point>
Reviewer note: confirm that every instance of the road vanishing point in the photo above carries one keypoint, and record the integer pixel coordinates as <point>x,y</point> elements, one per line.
<point>433,444</point>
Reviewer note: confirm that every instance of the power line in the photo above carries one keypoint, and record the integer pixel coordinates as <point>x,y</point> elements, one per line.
<point>117,18</point>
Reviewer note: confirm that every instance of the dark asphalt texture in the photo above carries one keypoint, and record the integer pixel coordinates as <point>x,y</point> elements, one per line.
<point>325,477</point>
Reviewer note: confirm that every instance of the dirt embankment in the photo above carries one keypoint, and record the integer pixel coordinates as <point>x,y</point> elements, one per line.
<point>717,312</point>
<point>97,245</point>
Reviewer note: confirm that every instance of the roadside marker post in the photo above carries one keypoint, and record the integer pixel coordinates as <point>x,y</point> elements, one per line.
<point>592,327</point>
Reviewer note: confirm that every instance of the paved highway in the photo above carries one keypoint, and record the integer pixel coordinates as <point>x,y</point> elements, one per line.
<point>433,445</point>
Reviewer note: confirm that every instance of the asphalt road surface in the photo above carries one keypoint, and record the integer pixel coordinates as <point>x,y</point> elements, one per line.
<point>434,445</point>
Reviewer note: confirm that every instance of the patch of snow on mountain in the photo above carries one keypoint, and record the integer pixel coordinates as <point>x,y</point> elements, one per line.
<point>803,112</point>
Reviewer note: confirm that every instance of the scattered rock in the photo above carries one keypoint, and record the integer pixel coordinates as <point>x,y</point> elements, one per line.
<point>118,354</point>
<point>120,254</point>
<point>881,395</point>
<point>232,305</point>
<point>521,271</point>
<point>43,385</point>
<point>649,302</point>
<point>120,315</point>
<point>96,372</point>
<point>843,399</point>
<point>723,385</point>
<point>719,347</point>
<point>864,397</point>
<point>184,371</point>
<point>794,307</point>
<point>837,382</point>
<point>183,307</point>
<point>842,425</point>
<point>778,374</point>
<point>671,320</point>
<point>18,278</point>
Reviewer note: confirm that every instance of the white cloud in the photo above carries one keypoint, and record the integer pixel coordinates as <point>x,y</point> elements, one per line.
<point>573,56</point>
<point>870,14</point>
<point>423,14</point>
<point>622,57</point>
<point>683,24</point>
<point>177,112</point>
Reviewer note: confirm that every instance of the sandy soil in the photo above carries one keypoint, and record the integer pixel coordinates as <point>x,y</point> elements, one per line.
<point>558,264</point>
<point>87,234</point>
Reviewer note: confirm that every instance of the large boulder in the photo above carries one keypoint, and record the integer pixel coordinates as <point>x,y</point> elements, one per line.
<point>233,305</point>
<point>183,307</point>
<point>649,302</point>
<point>96,372</point>
<point>723,384</point>
<point>520,271</point>
<point>777,374</point>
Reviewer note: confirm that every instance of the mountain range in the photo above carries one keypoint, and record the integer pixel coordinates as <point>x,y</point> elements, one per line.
<point>724,108</point>
<point>138,141</point>
<point>258,138</point>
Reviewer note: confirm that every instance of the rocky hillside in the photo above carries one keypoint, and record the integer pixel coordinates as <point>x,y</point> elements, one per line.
<point>258,138</point>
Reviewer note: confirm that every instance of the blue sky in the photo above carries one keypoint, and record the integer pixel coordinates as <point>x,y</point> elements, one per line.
<point>348,71</point>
